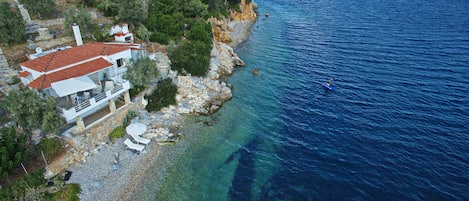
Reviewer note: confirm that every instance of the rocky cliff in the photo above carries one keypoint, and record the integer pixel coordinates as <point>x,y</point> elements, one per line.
<point>226,30</point>
<point>248,12</point>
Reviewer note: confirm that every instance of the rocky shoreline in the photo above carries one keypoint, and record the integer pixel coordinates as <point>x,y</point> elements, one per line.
<point>107,171</point>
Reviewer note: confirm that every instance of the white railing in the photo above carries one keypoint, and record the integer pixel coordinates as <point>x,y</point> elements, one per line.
<point>89,104</point>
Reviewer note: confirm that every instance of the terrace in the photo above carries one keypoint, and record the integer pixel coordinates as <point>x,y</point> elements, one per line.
<point>85,102</point>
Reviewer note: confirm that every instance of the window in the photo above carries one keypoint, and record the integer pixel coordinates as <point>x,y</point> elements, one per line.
<point>120,62</point>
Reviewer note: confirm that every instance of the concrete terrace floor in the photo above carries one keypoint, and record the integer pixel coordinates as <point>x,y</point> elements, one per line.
<point>101,113</point>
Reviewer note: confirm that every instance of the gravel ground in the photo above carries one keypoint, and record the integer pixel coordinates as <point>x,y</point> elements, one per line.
<point>108,172</point>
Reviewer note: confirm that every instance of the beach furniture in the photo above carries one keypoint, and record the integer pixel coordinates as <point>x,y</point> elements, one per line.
<point>136,129</point>
<point>130,145</point>
<point>140,140</point>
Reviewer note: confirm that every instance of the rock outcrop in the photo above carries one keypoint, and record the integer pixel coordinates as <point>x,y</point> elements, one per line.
<point>227,30</point>
<point>248,12</point>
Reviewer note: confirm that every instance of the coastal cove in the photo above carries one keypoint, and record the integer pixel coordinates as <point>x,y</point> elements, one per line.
<point>107,170</point>
<point>394,128</point>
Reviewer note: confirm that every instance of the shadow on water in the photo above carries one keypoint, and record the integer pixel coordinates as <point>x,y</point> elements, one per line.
<point>243,178</point>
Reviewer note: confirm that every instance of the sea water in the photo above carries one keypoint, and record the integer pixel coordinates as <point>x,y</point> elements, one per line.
<point>395,128</point>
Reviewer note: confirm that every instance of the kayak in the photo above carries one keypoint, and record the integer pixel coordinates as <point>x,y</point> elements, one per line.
<point>330,88</point>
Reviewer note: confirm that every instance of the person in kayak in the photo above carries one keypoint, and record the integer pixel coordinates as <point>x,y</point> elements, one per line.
<point>329,82</point>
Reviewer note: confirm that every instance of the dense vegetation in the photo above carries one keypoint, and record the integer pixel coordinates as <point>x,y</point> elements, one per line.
<point>50,147</point>
<point>33,187</point>
<point>12,150</point>
<point>82,18</point>
<point>142,72</point>
<point>41,8</point>
<point>163,95</point>
<point>24,188</point>
<point>12,26</point>
<point>30,111</point>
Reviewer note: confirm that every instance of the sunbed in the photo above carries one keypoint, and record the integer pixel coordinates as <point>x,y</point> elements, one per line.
<point>140,140</point>
<point>130,145</point>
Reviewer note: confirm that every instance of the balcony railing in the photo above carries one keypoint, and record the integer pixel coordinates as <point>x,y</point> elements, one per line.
<point>89,104</point>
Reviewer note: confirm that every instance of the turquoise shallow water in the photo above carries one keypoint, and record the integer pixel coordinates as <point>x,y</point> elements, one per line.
<point>395,128</point>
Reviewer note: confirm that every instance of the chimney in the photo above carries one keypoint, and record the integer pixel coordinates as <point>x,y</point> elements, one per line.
<point>125,28</point>
<point>77,34</point>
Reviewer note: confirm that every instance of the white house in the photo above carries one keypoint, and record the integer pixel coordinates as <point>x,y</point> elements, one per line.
<point>84,79</point>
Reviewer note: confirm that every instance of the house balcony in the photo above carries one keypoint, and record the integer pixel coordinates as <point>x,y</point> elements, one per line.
<point>86,103</point>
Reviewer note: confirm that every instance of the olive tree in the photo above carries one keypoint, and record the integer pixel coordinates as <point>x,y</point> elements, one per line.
<point>42,8</point>
<point>82,18</point>
<point>31,111</point>
<point>142,72</point>
<point>12,25</point>
<point>12,150</point>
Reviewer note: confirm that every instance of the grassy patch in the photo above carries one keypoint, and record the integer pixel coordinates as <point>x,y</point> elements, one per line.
<point>117,133</point>
<point>68,193</point>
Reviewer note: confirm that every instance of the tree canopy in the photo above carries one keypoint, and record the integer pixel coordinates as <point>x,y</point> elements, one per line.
<point>12,150</point>
<point>132,11</point>
<point>30,111</point>
<point>12,25</point>
<point>82,17</point>
<point>42,8</point>
<point>163,95</point>
<point>192,57</point>
<point>142,72</point>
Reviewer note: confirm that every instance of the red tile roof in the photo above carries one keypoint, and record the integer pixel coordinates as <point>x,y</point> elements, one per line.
<point>119,34</point>
<point>45,80</point>
<point>73,55</point>
<point>24,73</point>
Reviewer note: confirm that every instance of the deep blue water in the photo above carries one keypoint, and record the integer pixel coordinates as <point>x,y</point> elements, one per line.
<point>395,128</point>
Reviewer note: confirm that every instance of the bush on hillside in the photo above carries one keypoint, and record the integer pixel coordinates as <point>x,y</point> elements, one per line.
<point>160,38</point>
<point>41,8</point>
<point>12,27</point>
<point>135,90</point>
<point>69,192</point>
<point>18,190</point>
<point>128,118</point>
<point>200,31</point>
<point>192,57</point>
<point>163,95</point>
<point>51,148</point>
<point>12,150</point>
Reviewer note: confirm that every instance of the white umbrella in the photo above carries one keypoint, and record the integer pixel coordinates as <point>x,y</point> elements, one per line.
<point>136,129</point>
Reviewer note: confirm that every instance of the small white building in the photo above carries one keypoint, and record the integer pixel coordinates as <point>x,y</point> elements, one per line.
<point>121,33</point>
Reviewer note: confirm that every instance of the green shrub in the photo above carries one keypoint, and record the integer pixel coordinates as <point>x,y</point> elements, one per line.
<point>50,147</point>
<point>200,31</point>
<point>117,133</point>
<point>135,90</point>
<point>192,57</point>
<point>128,118</point>
<point>68,193</point>
<point>163,95</point>
<point>160,38</point>
<point>18,188</point>
<point>12,150</point>
<point>14,80</point>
